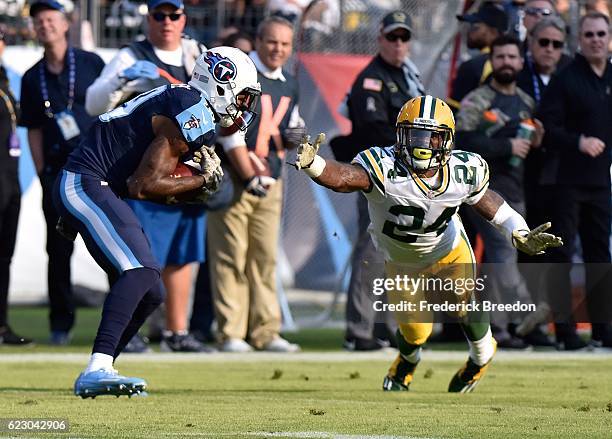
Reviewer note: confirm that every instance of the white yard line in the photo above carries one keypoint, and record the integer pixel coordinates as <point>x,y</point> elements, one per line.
<point>309,357</point>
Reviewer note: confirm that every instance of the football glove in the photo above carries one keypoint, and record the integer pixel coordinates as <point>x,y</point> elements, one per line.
<point>210,166</point>
<point>307,151</point>
<point>534,242</point>
<point>140,69</point>
<point>258,185</point>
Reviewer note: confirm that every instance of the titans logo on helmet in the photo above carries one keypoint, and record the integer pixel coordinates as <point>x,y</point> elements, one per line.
<point>220,67</point>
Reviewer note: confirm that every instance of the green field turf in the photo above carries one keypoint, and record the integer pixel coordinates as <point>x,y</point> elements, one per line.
<point>239,398</point>
<point>323,393</point>
<point>32,322</point>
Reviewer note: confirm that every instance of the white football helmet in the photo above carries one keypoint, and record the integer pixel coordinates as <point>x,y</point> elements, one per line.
<point>227,77</point>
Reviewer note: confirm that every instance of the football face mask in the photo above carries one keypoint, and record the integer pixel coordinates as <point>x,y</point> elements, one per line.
<point>241,112</point>
<point>422,149</point>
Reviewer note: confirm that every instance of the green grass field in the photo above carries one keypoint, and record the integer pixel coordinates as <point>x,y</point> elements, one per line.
<point>313,395</point>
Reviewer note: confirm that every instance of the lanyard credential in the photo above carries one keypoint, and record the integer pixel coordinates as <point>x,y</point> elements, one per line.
<point>11,110</point>
<point>534,78</point>
<point>71,84</point>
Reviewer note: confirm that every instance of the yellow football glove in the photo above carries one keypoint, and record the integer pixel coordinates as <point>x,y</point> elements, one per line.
<point>535,241</point>
<point>307,151</point>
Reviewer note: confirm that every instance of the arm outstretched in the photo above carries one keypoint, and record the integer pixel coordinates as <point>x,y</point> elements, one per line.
<point>339,177</point>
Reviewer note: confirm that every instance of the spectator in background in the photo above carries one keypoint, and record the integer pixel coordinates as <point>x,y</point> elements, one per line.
<point>543,58</point>
<point>240,40</point>
<point>500,145</point>
<point>576,110</point>
<point>376,97</point>
<point>176,233</point>
<point>202,311</point>
<point>291,10</point>
<point>10,197</point>
<point>53,111</point>
<point>534,11</point>
<point>489,22</point>
<point>243,238</point>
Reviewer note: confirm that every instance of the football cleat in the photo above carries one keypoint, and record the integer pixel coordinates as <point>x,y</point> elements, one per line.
<point>466,378</point>
<point>108,382</point>
<point>400,375</point>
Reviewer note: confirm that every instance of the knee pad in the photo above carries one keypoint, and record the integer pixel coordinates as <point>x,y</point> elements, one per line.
<point>155,296</point>
<point>143,276</point>
<point>415,334</point>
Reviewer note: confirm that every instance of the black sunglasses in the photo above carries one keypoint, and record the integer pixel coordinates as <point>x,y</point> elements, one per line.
<point>545,42</point>
<point>538,11</point>
<point>600,34</point>
<point>160,16</point>
<point>405,36</point>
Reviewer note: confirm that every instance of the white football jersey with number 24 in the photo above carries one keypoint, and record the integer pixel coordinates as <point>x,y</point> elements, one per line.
<point>413,220</point>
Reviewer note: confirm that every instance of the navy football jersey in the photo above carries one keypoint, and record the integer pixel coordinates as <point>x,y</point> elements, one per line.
<point>114,146</point>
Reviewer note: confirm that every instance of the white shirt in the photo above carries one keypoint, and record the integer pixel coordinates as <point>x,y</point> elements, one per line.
<point>276,74</point>
<point>108,90</point>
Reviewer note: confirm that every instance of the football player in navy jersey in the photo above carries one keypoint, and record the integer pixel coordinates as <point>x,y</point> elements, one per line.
<point>131,152</point>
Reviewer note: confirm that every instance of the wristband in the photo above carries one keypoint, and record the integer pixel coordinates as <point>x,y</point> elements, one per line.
<point>316,167</point>
<point>507,220</point>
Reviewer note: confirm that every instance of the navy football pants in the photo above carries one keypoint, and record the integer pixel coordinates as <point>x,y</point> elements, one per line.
<point>115,239</point>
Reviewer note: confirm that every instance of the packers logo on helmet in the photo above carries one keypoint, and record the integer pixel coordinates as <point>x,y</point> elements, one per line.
<point>425,133</point>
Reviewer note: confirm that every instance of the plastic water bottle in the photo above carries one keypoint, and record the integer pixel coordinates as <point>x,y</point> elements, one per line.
<point>526,130</point>
<point>490,122</point>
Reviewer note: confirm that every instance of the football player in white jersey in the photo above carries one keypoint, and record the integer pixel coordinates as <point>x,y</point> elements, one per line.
<point>414,189</point>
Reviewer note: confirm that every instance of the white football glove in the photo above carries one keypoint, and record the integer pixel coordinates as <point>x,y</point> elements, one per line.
<point>210,167</point>
<point>307,151</point>
<point>535,241</point>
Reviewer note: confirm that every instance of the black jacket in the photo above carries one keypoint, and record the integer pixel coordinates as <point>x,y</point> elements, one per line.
<point>539,160</point>
<point>471,74</point>
<point>526,77</point>
<point>7,163</point>
<point>376,97</point>
<point>578,102</point>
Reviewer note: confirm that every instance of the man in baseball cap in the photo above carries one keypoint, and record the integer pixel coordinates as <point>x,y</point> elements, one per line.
<point>396,20</point>
<point>43,5</point>
<point>486,24</point>
<point>152,4</point>
<point>490,15</point>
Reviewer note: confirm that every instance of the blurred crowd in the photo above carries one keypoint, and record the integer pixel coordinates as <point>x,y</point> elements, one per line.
<point>511,106</point>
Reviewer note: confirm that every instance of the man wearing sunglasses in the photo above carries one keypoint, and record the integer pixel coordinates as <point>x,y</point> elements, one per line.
<point>576,109</point>
<point>375,99</point>
<point>165,57</point>
<point>536,10</point>
<point>544,56</point>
